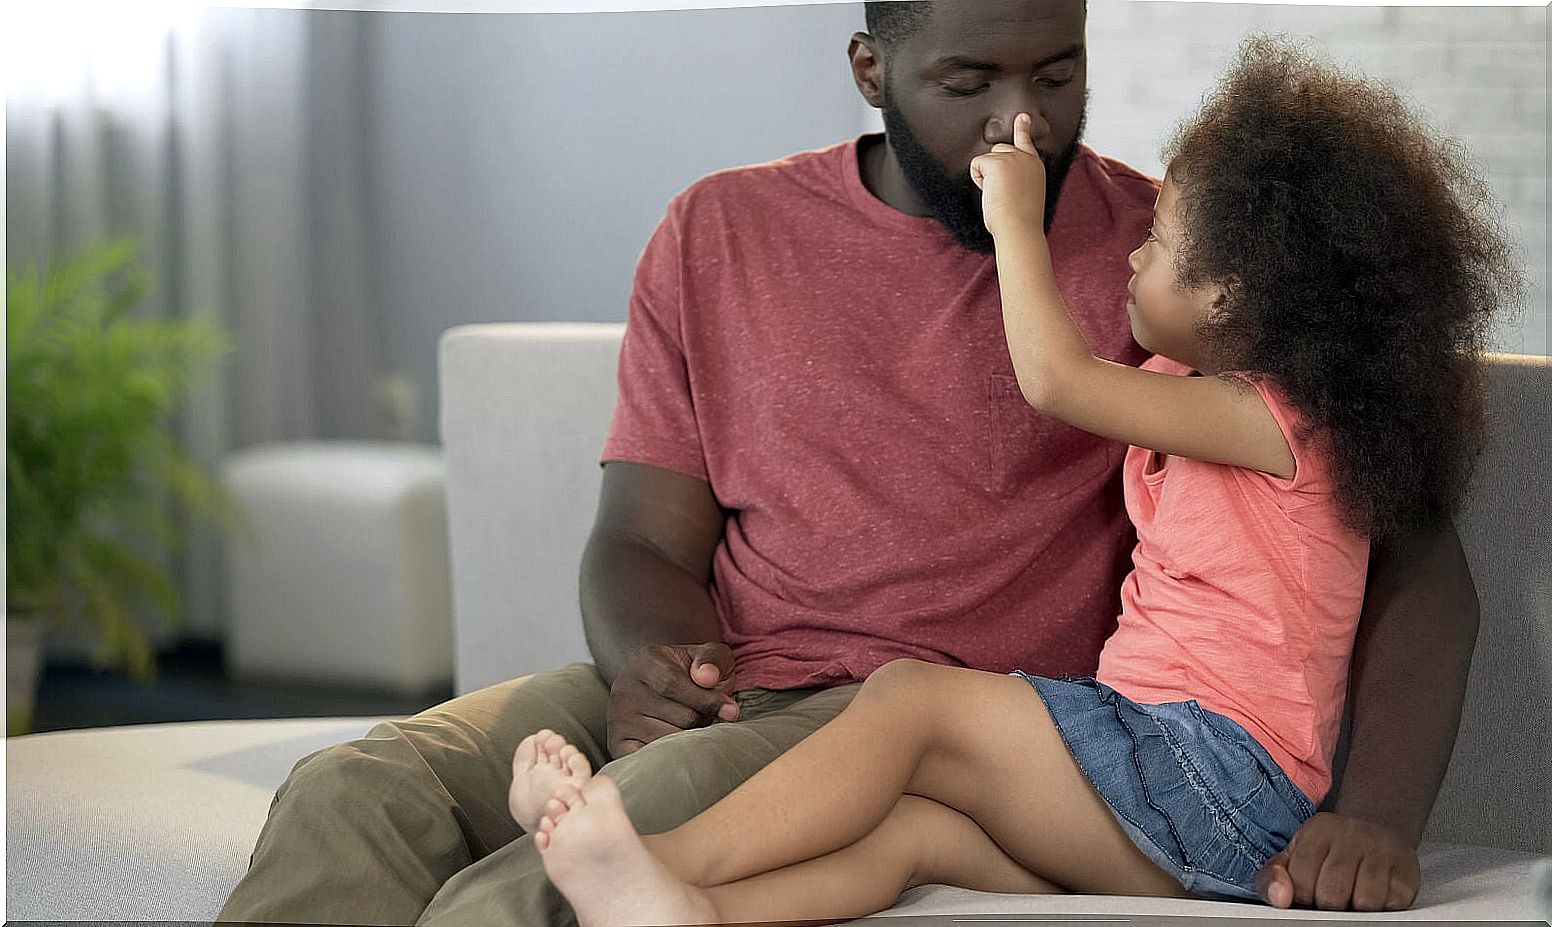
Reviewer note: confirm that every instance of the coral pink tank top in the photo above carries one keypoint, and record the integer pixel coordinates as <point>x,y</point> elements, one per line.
<point>1244,595</point>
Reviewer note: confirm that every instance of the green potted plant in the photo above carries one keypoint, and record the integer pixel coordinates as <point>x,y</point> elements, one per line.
<point>95,481</point>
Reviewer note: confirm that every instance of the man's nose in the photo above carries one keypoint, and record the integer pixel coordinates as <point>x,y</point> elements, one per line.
<point>999,126</point>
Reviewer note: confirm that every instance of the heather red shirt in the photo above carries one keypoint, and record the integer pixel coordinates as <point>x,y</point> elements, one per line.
<point>837,371</point>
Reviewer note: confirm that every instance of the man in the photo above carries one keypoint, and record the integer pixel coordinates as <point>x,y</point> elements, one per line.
<point>820,462</point>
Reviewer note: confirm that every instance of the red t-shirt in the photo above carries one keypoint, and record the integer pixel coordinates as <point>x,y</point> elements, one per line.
<point>837,371</point>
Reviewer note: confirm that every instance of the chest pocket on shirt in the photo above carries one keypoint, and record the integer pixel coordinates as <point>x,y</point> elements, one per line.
<point>1031,453</point>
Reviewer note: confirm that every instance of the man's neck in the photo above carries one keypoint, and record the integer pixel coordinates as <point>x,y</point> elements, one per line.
<point>882,176</point>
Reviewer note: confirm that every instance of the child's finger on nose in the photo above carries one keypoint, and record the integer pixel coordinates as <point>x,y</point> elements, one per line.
<point>1021,137</point>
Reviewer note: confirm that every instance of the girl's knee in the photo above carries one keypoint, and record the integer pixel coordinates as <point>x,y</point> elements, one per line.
<point>904,679</point>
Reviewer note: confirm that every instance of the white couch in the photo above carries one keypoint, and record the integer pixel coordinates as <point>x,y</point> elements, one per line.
<point>156,822</point>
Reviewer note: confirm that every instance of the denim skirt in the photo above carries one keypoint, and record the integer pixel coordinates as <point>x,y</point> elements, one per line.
<point>1193,789</point>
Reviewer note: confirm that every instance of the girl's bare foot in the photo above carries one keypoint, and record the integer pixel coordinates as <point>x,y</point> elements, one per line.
<point>543,762</point>
<point>593,855</point>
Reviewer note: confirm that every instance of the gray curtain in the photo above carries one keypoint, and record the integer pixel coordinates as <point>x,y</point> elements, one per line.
<point>232,142</point>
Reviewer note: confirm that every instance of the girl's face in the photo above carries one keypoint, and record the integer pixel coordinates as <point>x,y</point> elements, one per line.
<point>1164,315</point>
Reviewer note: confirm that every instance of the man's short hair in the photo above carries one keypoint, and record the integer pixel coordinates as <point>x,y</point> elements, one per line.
<point>894,21</point>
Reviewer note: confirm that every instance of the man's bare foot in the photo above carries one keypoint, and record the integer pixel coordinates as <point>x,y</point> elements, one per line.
<point>542,763</point>
<point>593,855</point>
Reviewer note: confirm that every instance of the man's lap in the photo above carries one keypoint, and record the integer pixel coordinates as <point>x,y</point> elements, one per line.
<point>467,743</point>
<point>663,784</point>
<point>676,777</point>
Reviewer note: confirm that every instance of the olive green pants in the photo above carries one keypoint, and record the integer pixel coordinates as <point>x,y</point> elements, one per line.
<point>409,824</point>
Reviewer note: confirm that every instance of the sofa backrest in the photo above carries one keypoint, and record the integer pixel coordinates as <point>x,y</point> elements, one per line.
<point>1498,789</point>
<point>525,408</point>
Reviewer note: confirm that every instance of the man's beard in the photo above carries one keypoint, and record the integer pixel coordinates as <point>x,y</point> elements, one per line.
<point>956,201</point>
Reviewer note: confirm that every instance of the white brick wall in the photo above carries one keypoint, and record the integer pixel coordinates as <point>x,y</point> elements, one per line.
<point>1479,73</point>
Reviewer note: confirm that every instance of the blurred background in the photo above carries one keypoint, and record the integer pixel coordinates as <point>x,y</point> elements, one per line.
<point>304,200</point>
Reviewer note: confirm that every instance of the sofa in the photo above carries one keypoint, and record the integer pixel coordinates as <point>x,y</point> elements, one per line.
<point>156,822</point>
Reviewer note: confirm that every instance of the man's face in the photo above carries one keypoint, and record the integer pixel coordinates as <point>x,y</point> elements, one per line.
<point>951,91</point>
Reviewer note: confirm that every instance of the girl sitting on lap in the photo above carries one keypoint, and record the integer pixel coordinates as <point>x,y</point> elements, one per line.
<point>1316,288</point>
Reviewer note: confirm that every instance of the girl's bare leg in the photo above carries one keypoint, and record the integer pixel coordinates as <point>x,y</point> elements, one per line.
<point>921,842</point>
<point>980,743</point>
<point>594,856</point>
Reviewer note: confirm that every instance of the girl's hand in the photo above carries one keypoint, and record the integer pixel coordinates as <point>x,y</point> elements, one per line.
<point>1012,183</point>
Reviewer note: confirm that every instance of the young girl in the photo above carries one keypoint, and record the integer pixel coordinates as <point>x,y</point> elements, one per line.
<point>1316,286</point>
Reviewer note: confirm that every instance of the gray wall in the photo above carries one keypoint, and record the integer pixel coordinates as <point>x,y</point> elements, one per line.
<point>519,161</point>
<point>1478,73</point>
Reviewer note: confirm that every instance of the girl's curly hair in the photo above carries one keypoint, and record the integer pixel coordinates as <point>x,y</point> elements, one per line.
<point>1361,259</point>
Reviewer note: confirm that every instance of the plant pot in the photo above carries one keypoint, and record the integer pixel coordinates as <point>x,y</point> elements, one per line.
<point>24,632</point>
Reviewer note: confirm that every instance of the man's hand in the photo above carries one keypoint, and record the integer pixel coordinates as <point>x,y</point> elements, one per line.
<point>1012,183</point>
<point>665,688</point>
<point>1338,863</point>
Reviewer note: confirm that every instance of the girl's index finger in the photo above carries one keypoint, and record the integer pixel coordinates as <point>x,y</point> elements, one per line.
<point>1021,139</point>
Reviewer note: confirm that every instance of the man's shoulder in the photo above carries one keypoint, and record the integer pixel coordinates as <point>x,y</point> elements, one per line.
<point>1116,181</point>
<point>817,171</point>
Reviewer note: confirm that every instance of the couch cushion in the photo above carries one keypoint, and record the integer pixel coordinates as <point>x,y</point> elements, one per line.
<point>157,821</point>
<point>150,821</point>
<point>1460,883</point>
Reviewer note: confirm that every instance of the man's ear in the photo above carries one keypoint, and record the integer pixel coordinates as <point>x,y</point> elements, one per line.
<point>867,68</point>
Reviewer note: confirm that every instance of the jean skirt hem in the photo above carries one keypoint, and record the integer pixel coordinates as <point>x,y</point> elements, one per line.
<point>1191,788</point>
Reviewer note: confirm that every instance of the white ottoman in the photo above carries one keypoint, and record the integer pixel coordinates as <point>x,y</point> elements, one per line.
<point>342,574</point>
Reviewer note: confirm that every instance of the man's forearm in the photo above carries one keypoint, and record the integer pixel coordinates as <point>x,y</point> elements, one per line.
<point>1410,663</point>
<point>632,596</point>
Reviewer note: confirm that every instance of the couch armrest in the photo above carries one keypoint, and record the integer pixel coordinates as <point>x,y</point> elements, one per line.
<point>525,409</point>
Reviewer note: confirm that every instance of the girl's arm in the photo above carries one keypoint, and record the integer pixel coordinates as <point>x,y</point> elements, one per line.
<point>1219,419</point>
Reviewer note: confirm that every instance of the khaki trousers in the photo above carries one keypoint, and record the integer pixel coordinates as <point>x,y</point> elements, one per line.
<point>409,824</point>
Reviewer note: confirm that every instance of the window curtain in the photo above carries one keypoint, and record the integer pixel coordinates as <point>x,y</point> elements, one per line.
<point>233,144</point>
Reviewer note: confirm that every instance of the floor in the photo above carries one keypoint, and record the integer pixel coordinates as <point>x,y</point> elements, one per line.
<point>192,685</point>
